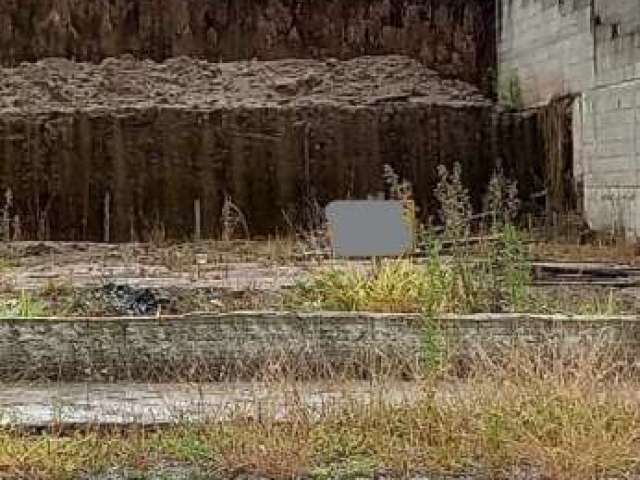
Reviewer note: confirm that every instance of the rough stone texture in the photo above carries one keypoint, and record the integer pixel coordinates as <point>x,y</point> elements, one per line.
<point>210,347</point>
<point>456,37</point>
<point>241,345</point>
<point>59,85</point>
<point>151,139</point>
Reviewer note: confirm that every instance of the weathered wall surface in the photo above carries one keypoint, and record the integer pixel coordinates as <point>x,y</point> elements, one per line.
<point>242,345</point>
<point>131,145</point>
<point>456,37</point>
<point>111,151</point>
<point>154,163</point>
<point>545,48</point>
<point>205,348</point>
<point>592,49</point>
<point>608,122</point>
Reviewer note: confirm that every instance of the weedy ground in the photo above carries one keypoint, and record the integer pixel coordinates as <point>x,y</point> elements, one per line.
<point>492,277</point>
<point>467,266</point>
<point>557,414</point>
<point>575,416</point>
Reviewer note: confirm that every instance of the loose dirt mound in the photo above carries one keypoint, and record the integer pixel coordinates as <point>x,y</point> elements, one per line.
<point>59,84</point>
<point>456,37</point>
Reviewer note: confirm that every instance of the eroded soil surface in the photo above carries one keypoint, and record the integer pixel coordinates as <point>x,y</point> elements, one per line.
<point>94,280</point>
<point>59,84</point>
<point>73,279</point>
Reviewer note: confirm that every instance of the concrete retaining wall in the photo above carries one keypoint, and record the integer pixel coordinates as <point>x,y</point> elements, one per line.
<point>242,345</point>
<point>608,122</point>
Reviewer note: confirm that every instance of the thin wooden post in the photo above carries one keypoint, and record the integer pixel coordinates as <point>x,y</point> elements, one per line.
<point>107,217</point>
<point>197,217</point>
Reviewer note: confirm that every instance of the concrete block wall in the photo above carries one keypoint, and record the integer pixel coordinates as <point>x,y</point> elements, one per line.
<point>607,129</point>
<point>608,121</point>
<point>590,48</point>
<point>546,46</point>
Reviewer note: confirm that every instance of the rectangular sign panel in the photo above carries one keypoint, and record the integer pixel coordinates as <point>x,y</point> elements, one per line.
<point>369,228</point>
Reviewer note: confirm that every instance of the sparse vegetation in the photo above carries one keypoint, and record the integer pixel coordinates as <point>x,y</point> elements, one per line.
<point>501,201</point>
<point>455,204</point>
<point>600,302</point>
<point>509,90</point>
<point>457,283</point>
<point>24,306</point>
<point>5,211</point>
<point>233,220</point>
<point>402,190</point>
<point>574,417</point>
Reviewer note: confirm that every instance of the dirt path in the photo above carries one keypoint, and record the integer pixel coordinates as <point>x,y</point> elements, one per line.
<point>39,406</point>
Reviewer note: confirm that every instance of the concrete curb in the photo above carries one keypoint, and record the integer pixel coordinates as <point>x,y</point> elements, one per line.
<point>214,347</point>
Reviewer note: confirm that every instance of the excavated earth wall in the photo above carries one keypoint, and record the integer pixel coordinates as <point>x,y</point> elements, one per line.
<point>122,146</point>
<point>115,149</point>
<point>457,37</point>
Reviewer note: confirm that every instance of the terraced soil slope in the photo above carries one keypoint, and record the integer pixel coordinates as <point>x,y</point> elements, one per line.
<point>127,145</point>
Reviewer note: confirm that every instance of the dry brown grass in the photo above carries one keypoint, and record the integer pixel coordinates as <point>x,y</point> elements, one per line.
<point>562,413</point>
<point>621,252</point>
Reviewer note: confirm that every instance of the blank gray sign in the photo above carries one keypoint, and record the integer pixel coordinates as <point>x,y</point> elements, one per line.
<point>369,228</point>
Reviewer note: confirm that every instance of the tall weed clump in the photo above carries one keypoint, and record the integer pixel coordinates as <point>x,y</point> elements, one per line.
<point>509,270</point>
<point>507,252</point>
<point>5,216</point>
<point>493,276</point>
<point>402,191</point>
<point>500,282</point>
<point>455,204</point>
<point>501,201</point>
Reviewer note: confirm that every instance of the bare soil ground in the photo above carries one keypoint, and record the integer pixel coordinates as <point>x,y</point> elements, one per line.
<point>106,279</point>
<point>136,279</point>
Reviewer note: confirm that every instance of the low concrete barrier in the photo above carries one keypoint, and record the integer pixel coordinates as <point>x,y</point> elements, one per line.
<point>211,347</point>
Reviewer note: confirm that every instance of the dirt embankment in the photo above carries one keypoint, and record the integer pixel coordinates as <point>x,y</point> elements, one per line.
<point>132,146</point>
<point>61,85</point>
<point>455,37</point>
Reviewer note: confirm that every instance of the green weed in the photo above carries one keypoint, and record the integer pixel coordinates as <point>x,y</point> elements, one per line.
<point>438,285</point>
<point>25,306</point>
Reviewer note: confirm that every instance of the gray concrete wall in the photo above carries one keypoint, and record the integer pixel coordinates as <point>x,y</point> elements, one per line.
<point>248,345</point>
<point>545,47</point>
<point>590,48</point>
<point>607,122</point>
<point>202,348</point>
<point>606,132</point>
